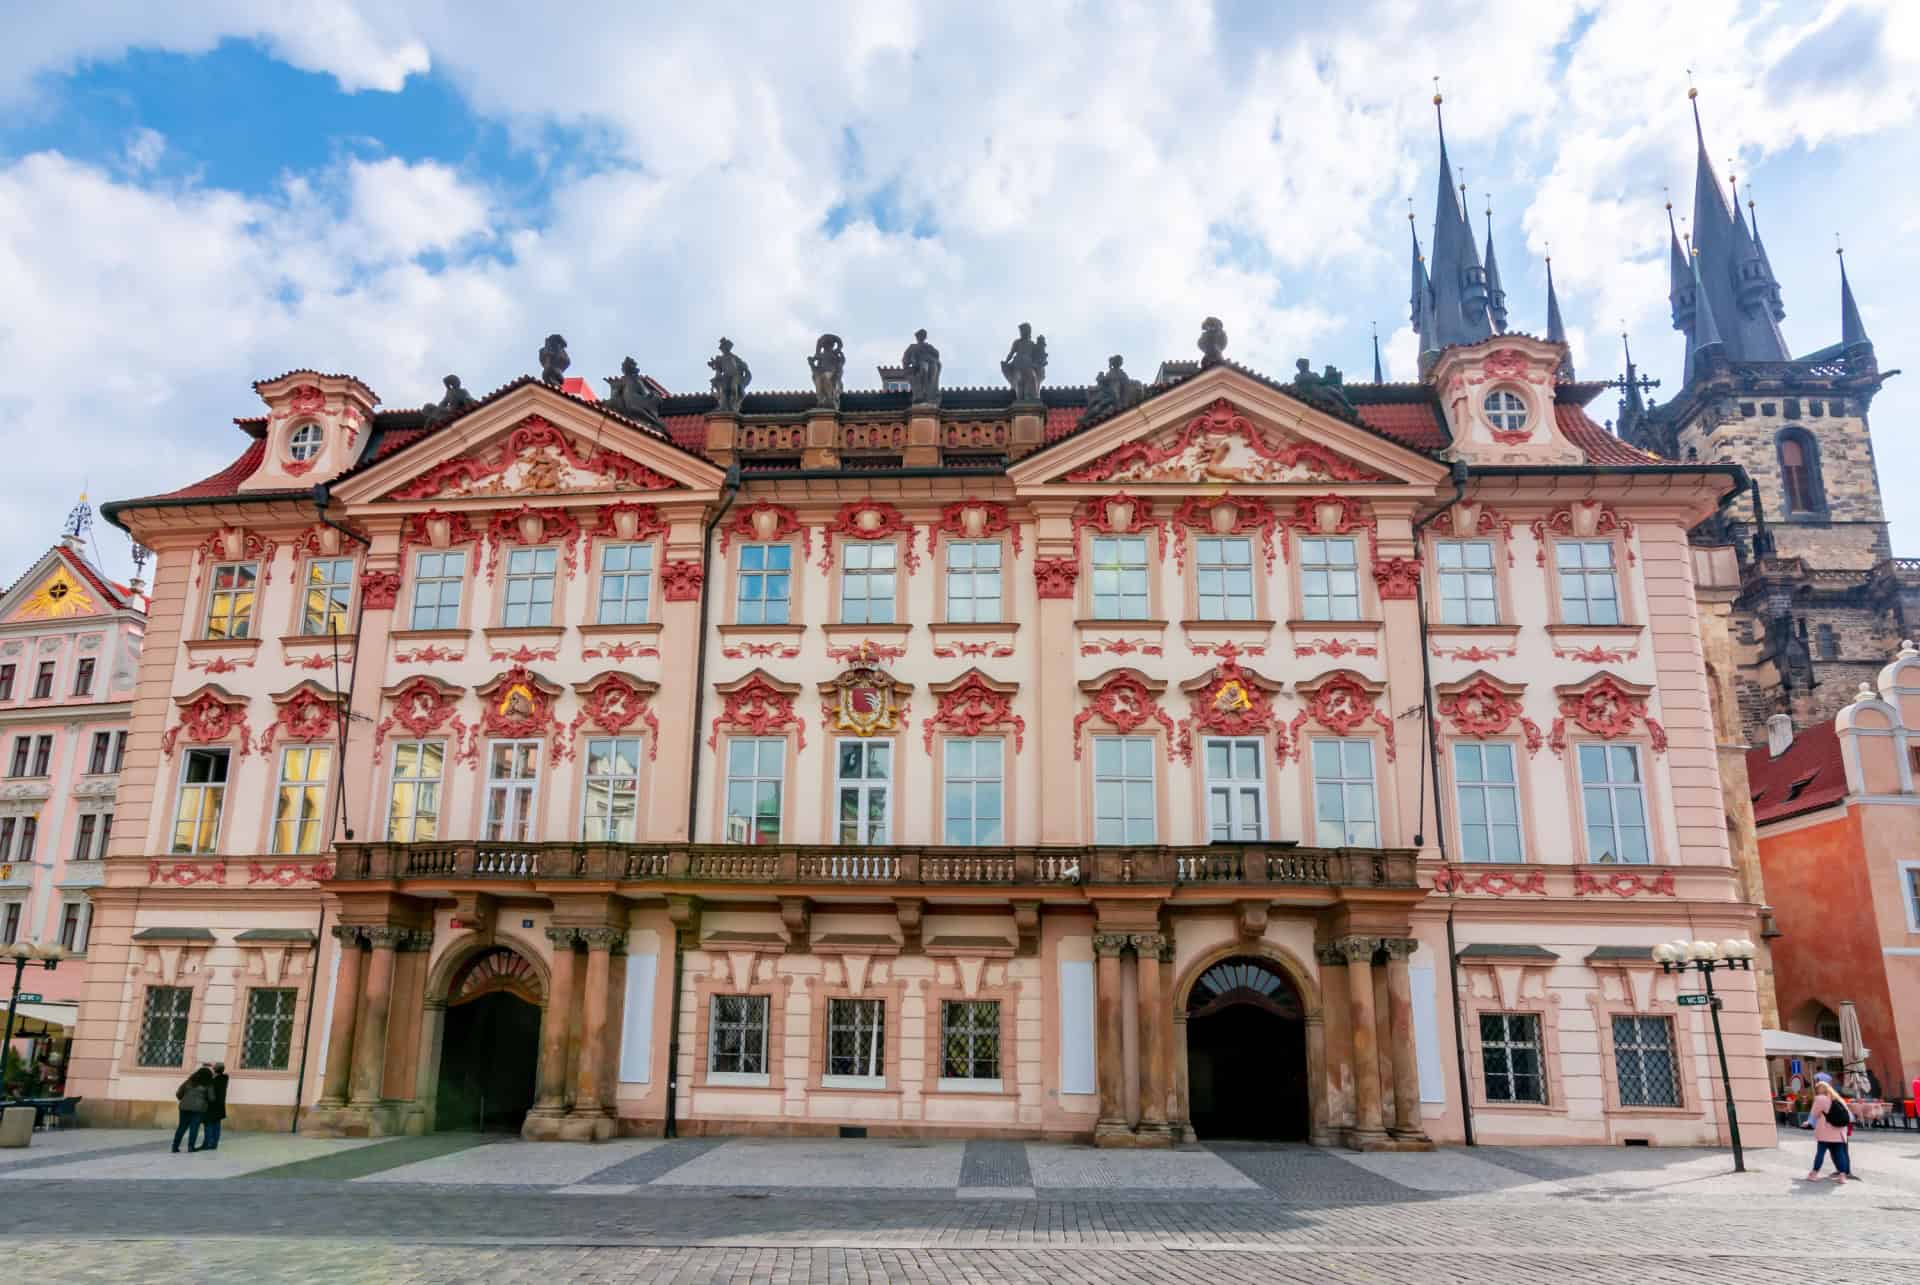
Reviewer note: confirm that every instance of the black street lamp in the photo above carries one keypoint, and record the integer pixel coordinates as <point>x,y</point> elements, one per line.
<point>1703,957</point>
<point>21,953</point>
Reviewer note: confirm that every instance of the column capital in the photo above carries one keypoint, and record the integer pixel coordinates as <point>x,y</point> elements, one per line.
<point>602,938</point>
<point>563,938</point>
<point>1357,950</point>
<point>1399,948</point>
<point>1329,955</point>
<point>417,940</point>
<point>348,934</point>
<point>387,936</point>
<point>1111,944</point>
<point>1148,945</point>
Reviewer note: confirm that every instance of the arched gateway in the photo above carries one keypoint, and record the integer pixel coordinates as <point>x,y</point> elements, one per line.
<point>490,1042</point>
<point>1246,1052</point>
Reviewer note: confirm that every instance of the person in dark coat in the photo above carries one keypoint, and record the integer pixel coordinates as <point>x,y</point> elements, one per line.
<point>216,1106</point>
<point>195,1095</point>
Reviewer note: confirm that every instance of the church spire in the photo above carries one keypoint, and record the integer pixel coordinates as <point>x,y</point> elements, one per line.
<point>1459,283</point>
<point>1496,297</point>
<point>1707,334</point>
<point>1734,283</point>
<point>1556,329</point>
<point>1853,331</point>
<point>1378,376</point>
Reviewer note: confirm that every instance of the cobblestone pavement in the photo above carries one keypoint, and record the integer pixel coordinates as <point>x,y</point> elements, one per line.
<point>115,1206</point>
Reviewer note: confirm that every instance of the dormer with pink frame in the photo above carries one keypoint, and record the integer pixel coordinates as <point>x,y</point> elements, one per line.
<point>1878,732</point>
<point>315,429</point>
<point>1498,397</point>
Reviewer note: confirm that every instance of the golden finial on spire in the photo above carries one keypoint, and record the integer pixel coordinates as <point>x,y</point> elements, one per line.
<point>1436,91</point>
<point>1691,91</point>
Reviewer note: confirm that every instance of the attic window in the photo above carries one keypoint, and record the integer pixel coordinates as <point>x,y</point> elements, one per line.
<point>305,442</point>
<point>1794,790</point>
<point>1506,411</point>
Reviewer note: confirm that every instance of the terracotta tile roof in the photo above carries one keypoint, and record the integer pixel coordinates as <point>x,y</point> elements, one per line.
<point>227,481</point>
<point>689,432</point>
<point>1809,776</point>
<point>1601,446</point>
<point>1412,424</point>
<point>1062,420</point>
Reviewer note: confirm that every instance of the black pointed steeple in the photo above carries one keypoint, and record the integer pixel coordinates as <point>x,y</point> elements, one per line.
<point>1706,334</point>
<point>1556,329</point>
<point>1378,376</point>
<point>1632,407</point>
<point>1853,331</point>
<point>1459,283</point>
<point>1734,285</point>
<point>1496,297</point>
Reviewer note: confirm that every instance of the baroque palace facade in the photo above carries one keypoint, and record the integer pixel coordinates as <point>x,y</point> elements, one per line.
<point>1217,757</point>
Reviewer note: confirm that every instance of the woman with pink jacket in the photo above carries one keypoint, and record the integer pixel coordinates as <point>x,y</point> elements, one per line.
<point>1827,1134</point>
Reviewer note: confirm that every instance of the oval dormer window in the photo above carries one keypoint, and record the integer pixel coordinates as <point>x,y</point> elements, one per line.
<point>305,442</point>
<point>1506,411</point>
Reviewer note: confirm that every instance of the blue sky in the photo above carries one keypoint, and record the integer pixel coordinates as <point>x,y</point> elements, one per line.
<point>402,190</point>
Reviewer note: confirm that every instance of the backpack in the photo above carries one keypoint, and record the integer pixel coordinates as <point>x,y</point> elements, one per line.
<point>1837,1114</point>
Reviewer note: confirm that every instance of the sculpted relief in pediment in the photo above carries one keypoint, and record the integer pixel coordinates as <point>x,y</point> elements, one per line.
<point>1221,444</point>
<point>535,459</point>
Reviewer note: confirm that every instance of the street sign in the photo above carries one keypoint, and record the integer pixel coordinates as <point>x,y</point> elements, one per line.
<point>1695,1000</point>
<point>28,997</point>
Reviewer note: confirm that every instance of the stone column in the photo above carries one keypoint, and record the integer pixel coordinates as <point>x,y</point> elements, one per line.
<point>588,1085</point>
<point>1406,1071</point>
<point>1384,1046</point>
<point>1108,1067</point>
<point>1367,1126</point>
<point>1147,949</point>
<point>346,1003</point>
<point>1179,1126</point>
<point>370,1044</point>
<point>552,1098</point>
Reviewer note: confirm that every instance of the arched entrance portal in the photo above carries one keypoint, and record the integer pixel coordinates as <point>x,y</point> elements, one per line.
<point>490,1046</point>
<point>1246,1053</point>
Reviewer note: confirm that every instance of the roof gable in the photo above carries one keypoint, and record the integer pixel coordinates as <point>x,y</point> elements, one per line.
<point>60,586</point>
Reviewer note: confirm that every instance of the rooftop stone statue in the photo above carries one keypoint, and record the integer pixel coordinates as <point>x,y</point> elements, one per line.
<point>1326,389</point>
<point>629,393</point>
<point>1026,364</point>
<point>828,364</point>
<point>1213,342</point>
<point>456,402</point>
<point>731,375</point>
<point>554,361</point>
<point>922,363</point>
<point>1114,389</point>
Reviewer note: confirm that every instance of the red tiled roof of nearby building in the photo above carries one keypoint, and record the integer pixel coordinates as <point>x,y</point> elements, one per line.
<point>1808,777</point>
<point>689,432</point>
<point>1062,420</point>
<point>1601,446</point>
<point>1412,424</point>
<point>227,481</point>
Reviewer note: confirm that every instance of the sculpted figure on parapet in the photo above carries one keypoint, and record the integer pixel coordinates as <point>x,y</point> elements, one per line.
<point>922,363</point>
<point>731,376</point>
<point>829,365</point>
<point>1026,364</point>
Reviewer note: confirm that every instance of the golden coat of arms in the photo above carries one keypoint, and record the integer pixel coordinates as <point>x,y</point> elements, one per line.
<point>865,702</point>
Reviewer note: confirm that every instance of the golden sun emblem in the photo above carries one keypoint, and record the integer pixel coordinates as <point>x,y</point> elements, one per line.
<point>59,596</point>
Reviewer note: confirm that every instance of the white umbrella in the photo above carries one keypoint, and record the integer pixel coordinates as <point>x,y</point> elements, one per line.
<point>1853,1053</point>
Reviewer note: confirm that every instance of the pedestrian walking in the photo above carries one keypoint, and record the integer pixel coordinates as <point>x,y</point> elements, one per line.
<point>195,1094</point>
<point>1831,1120</point>
<point>216,1106</point>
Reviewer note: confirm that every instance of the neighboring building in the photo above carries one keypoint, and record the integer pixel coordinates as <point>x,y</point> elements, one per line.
<point>1839,825</point>
<point>1822,598</point>
<point>70,641</point>
<point>1055,768</point>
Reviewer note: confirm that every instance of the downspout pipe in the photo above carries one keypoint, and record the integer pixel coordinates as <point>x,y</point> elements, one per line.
<point>1459,477</point>
<point>730,489</point>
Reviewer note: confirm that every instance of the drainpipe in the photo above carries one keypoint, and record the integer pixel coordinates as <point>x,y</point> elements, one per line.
<point>732,489</point>
<point>1431,768</point>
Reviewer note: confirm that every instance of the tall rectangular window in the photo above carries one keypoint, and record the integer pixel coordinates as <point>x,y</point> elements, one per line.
<point>1510,1057</point>
<point>1644,1063</point>
<point>300,799</point>
<point>856,1040</point>
<point>29,838</point>
<point>22,755</point>
<point>43,681</point>
<point>1467,594</point>
<point>83,677</point>
<point>437,578</point>
<point>766,584</point>
<point>267,1040</point>
<point>973,581</point>
<point>756,775</point>
<point>163,1026</point>
<point>1487,800</point>
<point>611,809</point>
<point>867,583</point>
<point>528,600</point>
<point>975,791</point>
<point>83,836</point>
<point>7,826</point>
<point>73,926</point>
<point>9,923</point>
<point>119,750</point>
<point>1123,796</point>
<point>737,1035</point>
<point>626,582</point>
<point>970,1039</point>
<point>326,596</point>
<point>203,795</point>
<point>1909,889</point>
<point>1236,789</point>
<point>1345,810</point>
<point>1613,798</point>
<point>513,784</point>
<point>413,806</point>
<point>6,682</point>
<point>1330,578</point>
<point>1223,577</point>
<point>865,774</point>
<point>1589,593</point>
<point>43,754</point>
<point>230,603</point>
<point>101,755</point>
<point>1120,577</point>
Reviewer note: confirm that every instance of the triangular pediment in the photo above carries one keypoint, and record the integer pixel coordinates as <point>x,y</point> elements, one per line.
<point>531,443</point>
<point>55,589</point>
<point>1225,428</point>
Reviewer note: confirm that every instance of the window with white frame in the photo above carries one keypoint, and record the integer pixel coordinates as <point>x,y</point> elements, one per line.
<point>7,827</point>
<point>413,802</point>
<point>85,837</point>
<point>737,1035</point>
<point>1910,893</point>
<point>513,790</point>
<point>756,780</point>
<point>437,578</point>
<point>861,786</point>
<point>1345,809</point>
<point>22,755</point>
<point>973,581</point>
<point>10,913</point>
<point>1467,594</point>
<point>43,681</point>
<point>528,600</point>
<point>74,922</point>
<point>230,601</point>
<point>1510,1057</point>
<point>29,836</point>
<point>766,584</point>
<point>83,676</point>
<point>7,673</point>
<point>101,755</point>
<point>326,596</point>
<point>611,808</point>
<point>1506,411</point>
<point>969,1042</point>
<point>1614,801</point>
<point>626,582</point>
<point>1236,790</point>
<point>1645,1065</point>
<point>1487,801</point>
<point>1120,577</point>
<point>300,800</point>
<point>42,755</point>
<point>203,796</point>
<point>1123,794</point>
<point>975,790</point>
<point>266,1042</point>
<point>1330,578</point>
<point>1223,577</point>
<point>856,1041</point>
<point>867,583</point>
<point>163,1026</point>
<point>1589,590</point>
<point>304,442</point>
